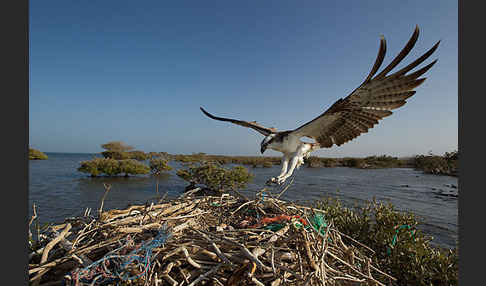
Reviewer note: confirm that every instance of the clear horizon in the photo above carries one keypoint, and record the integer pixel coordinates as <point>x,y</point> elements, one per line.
<point>112,71</point>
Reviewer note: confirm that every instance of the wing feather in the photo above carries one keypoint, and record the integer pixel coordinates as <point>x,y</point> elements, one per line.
<point>372,101</point>
<point>261,129</point>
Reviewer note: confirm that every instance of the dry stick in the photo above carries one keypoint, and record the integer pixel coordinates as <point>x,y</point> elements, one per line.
<point>286,188</point>
<point>36,280</point>
<point>171,280</point>
<point>187,216</point>
<point>34,216</point>
<point>353,240</point>
<point>325,245</point>
<point>216,248</point>
<point>81,233</point>
<point>254,280</point>
<point>186,279</point>
<point>38,251</point>
<point>273,261</point>
<point>357,271</point>
<point>45,254</point>
<point>241,195</point>
<point>308,251</point>
<point>242,205</point>
<point>309,278</point>
<point>53,283</point>
<point>189,259</point>
<point>53,242</point>
<point>184,225</point>
<point>68,246</point>
<point>245,251</point>
<point>164,196</point>
<point>49,264</point>
<point>202,276</point>
<point>217,281</point>
<point>188,193</point>
<point>107,189</point>
<point>300,262</point>
<point>139,229</point>
<point>377,270</point>
<point>349,279</point>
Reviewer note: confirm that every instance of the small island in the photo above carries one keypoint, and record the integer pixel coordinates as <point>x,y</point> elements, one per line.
<point>35,154</point>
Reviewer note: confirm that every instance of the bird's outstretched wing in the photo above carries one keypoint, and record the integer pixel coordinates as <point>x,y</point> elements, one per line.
<point>263,130</point>
<point>373,100</point>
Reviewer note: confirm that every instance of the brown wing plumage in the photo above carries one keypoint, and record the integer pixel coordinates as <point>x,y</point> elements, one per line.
<point>263,130</point>
<point>373,100</point>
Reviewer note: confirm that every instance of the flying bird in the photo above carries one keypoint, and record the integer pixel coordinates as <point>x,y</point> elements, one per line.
<point>348,117</point>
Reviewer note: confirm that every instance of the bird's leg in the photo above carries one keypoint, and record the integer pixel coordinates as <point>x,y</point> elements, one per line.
<point>293,164</point>
<point>285,163</point>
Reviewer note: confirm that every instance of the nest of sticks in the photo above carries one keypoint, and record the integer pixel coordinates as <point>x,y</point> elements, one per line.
<point>208,240</point>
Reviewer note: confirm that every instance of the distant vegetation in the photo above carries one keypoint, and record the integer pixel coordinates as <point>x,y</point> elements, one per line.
<point>118,150</point>
<point>36,155</point>
<point>159,165</point>
<point>253,161</point>
<point>401,249</point>
<point>438,165</point>
<point>215,177</point>
<point>431,164</point>
<point>383,161</point>
<point>119,159</point>
<point>113,167</point>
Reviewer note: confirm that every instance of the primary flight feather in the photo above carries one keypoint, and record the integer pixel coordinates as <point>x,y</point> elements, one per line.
<point>348,117</point>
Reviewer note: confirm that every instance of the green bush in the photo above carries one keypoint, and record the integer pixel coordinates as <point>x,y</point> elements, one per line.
<point>412,260</point>
<point>353,162</point>
<point>132,166</point>
<point>121,155</point>
<point>215,177</point>
<point>138,155</point>
<point>159,165</point>
<point>383,161</point>
<point>267,164</point>
<point>438,165</point>
<point>313,162</point>
<point>117,155</point>
<point>116,146</point>
<point>241,160</point>
<point>158,155</point>
<point>36,155</point>
<point>112,167</point>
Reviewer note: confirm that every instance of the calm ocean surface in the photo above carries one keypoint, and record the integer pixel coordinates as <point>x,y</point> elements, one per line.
<point>60,191</point>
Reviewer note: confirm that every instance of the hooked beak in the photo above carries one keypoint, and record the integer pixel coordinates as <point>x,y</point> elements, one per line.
<point>263,148</point>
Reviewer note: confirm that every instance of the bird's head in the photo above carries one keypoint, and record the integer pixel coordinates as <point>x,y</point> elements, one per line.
<point>266,141</point>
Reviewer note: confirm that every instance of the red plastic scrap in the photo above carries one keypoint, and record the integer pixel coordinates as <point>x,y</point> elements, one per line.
<point>268,220</point>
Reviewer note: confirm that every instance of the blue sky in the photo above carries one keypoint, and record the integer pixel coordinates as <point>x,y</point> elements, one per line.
<point>137,71</point>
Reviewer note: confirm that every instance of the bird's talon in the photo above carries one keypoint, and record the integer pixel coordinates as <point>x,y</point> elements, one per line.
<point>272,181</point>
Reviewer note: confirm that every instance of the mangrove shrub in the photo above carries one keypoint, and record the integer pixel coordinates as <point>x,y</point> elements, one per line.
<point>215,177</point>
<point>112,167</point>
<point>401,249</point>
<point>438,165</point>
<point>36,155</point>
<point>117,146</point>
<point>159,165</point>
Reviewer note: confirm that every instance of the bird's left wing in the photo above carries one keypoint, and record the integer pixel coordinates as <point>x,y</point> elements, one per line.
<point>373,100</point>
<point>263,130</point>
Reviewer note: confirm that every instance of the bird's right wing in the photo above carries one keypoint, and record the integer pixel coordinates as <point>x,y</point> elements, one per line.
<point>263,130</point>
<point>373,100</point>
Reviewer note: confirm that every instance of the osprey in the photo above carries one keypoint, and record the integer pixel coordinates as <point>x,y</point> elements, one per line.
<point>348,117</point>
